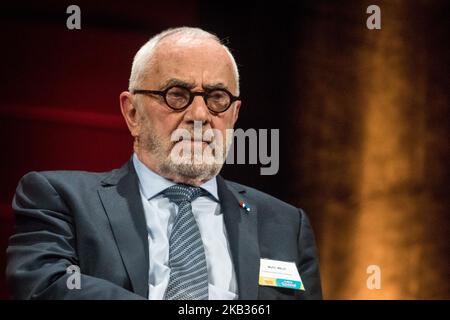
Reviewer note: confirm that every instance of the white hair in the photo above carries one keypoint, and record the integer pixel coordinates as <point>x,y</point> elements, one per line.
<point>142,59</point>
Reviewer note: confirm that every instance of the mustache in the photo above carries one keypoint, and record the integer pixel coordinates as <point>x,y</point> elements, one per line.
<point>194,135</point>
<point>192,140</point>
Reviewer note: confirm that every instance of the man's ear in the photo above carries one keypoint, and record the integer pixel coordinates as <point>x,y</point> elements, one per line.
<point>129,112</point>
<point>237,107</point>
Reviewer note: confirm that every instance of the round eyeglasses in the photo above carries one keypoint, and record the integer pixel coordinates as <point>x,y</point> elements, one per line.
<point>179,98</point>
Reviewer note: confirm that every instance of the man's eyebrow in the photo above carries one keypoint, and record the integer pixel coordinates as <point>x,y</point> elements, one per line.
<point>177,82</point>
<point>213,86</point>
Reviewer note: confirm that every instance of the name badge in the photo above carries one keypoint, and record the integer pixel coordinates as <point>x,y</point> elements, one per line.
<point>282,274</point>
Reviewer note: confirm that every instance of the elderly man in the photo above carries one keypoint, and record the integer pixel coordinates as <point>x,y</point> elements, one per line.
<point>165,225</point>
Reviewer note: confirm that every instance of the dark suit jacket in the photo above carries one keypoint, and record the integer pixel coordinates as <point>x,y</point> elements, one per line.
<point>96,221</point>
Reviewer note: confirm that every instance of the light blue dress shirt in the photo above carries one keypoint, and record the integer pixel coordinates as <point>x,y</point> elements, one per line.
<point>160,215</point>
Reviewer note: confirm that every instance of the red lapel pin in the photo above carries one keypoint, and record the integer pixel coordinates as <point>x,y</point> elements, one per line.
<point>243,205</point>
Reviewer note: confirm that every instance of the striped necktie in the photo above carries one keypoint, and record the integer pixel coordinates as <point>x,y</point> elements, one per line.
<point>188,271</point>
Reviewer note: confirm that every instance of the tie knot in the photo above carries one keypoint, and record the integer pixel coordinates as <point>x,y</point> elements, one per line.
<point>183,192</point>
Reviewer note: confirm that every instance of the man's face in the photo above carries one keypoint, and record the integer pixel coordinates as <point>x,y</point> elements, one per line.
<point>197,64</point>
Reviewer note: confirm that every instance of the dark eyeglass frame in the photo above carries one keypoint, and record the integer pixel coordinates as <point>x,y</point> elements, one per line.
<point>192,95</point>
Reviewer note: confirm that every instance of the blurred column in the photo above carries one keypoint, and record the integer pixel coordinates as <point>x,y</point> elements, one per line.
<point>372,156</point>
<point>398,222</point>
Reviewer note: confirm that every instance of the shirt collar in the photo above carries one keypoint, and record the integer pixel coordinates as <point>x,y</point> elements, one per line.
<point>153,184</point>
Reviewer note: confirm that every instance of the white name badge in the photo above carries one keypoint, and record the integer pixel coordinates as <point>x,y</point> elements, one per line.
<point>279,274</point>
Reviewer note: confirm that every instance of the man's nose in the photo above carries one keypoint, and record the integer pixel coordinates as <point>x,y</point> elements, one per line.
<point>198,111</point>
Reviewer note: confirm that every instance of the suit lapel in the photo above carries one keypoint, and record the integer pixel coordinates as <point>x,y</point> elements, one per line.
<point>242,232</point>
<point>121,200</point>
